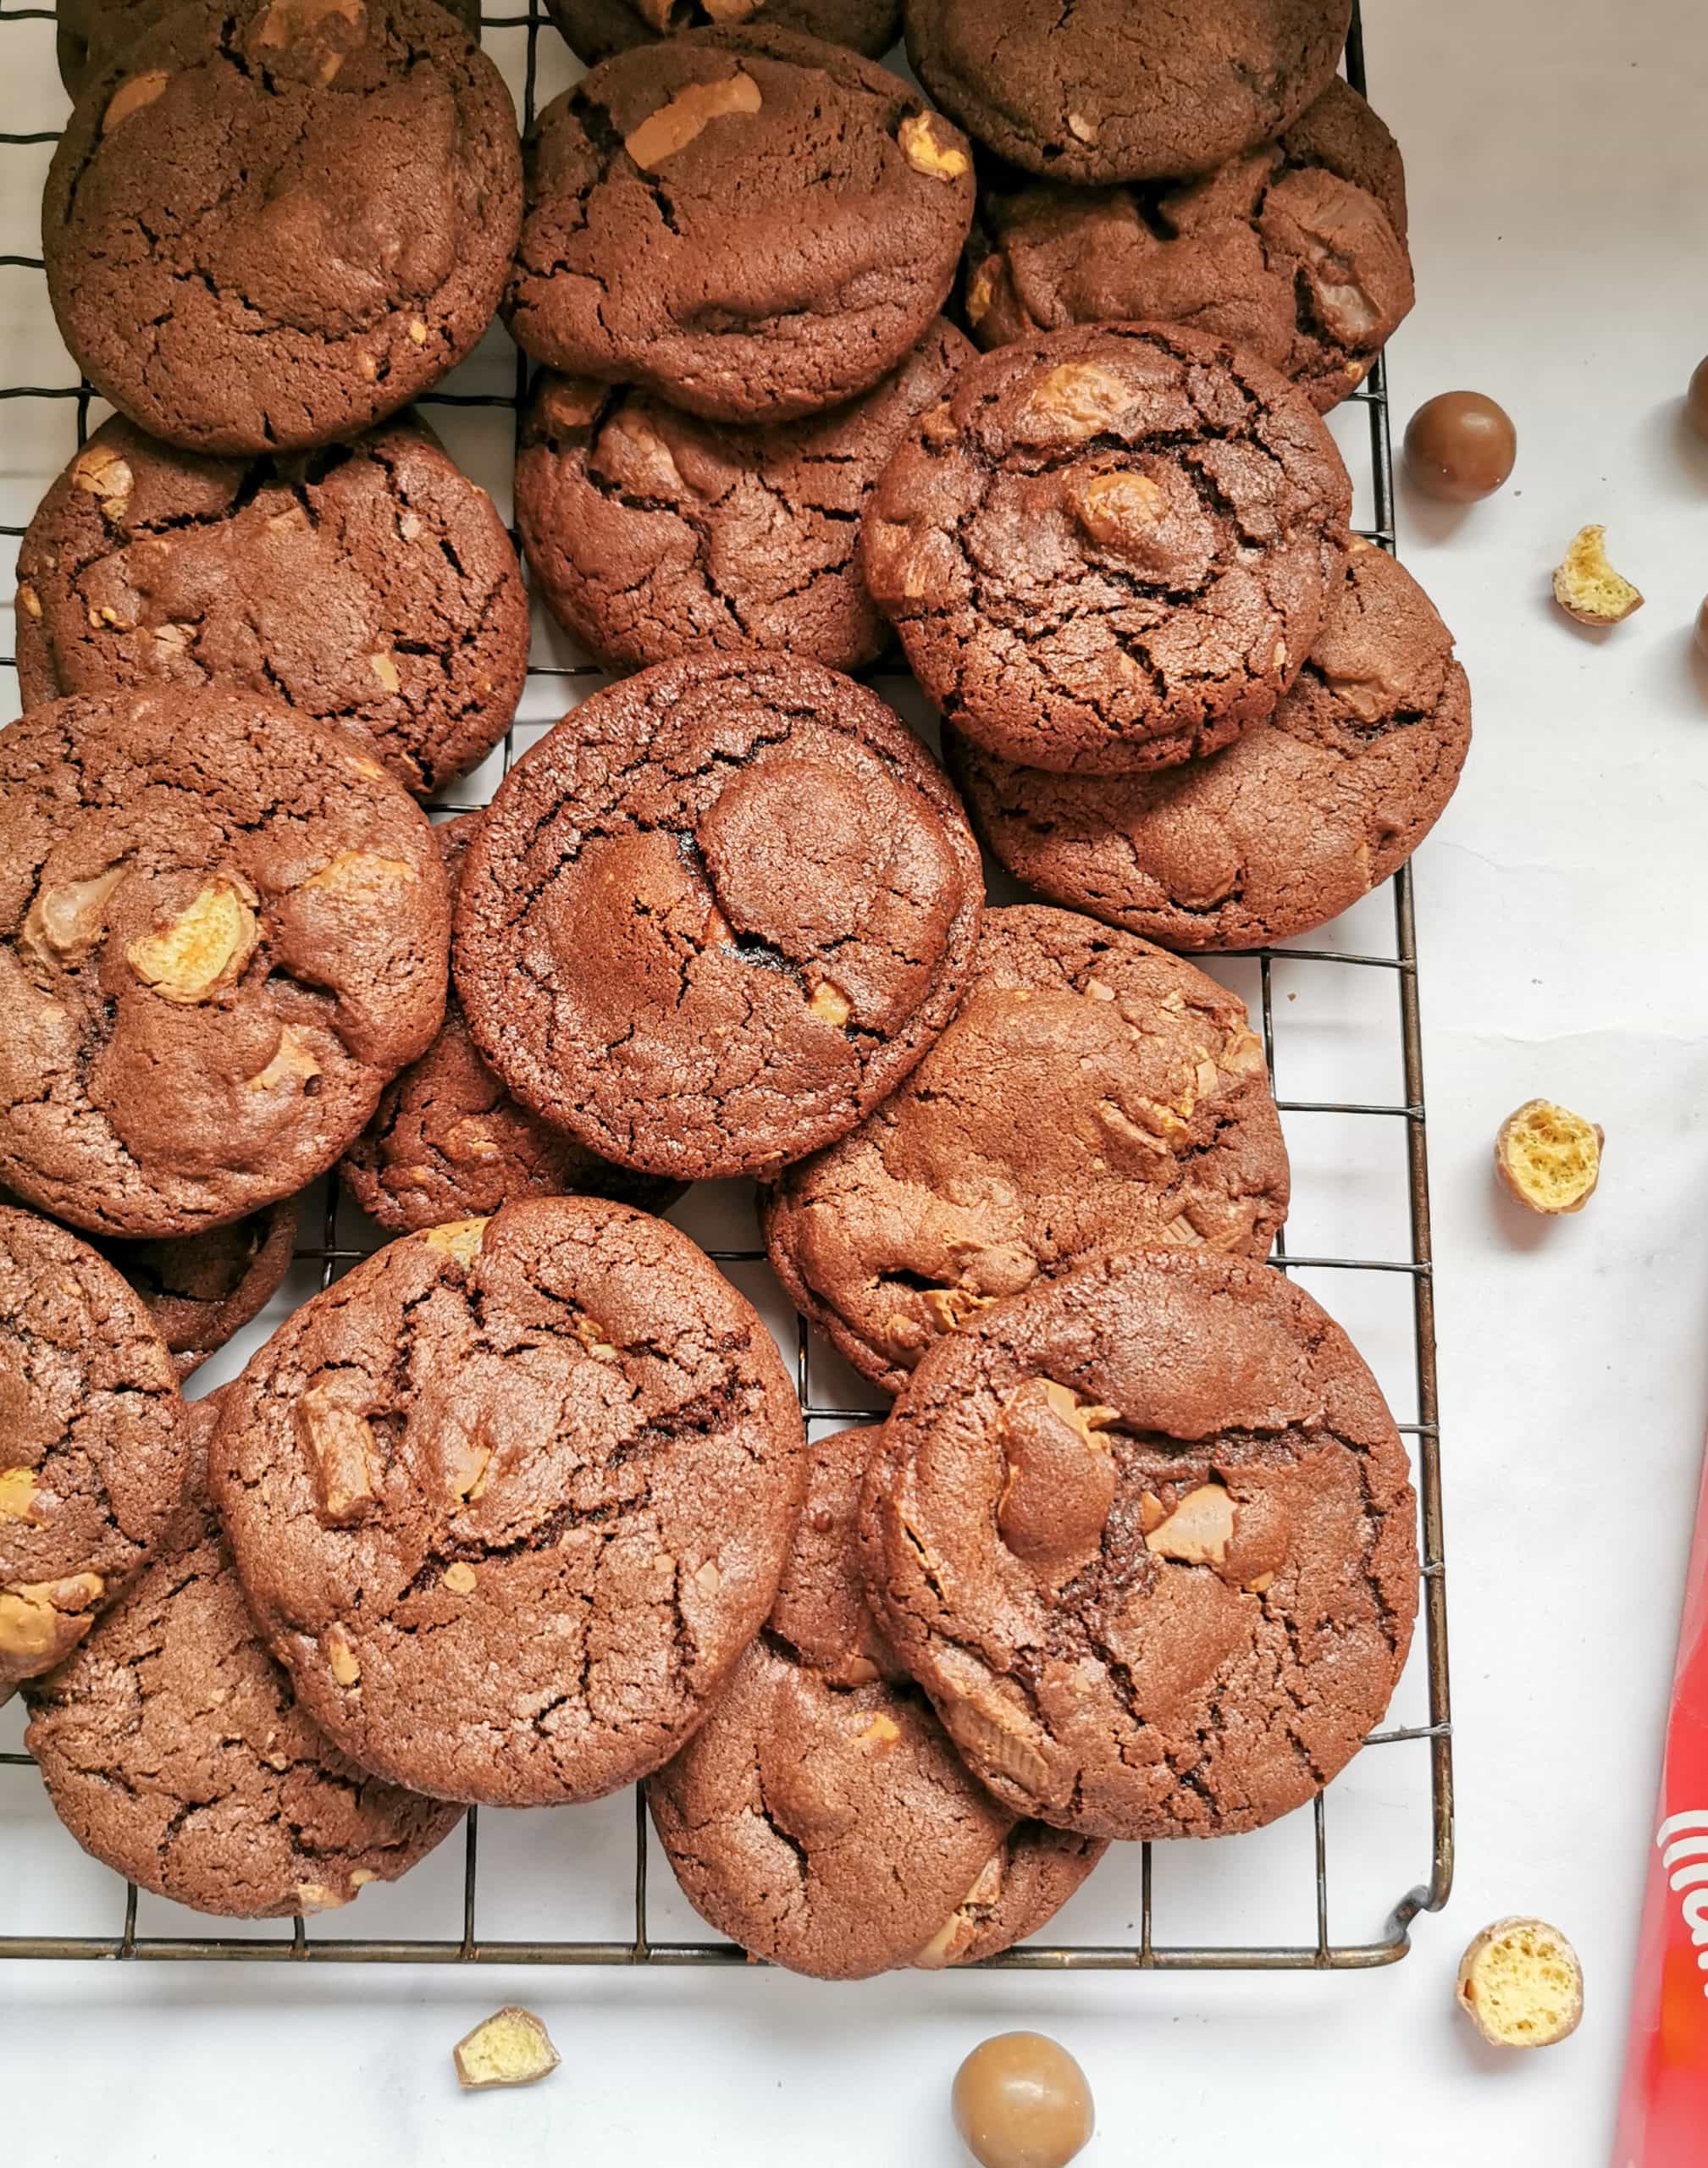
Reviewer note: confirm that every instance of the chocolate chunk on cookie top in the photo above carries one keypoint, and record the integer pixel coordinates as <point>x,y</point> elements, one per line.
<point>173,1749</point>
<point>1146,1537</point>
<point>596,29</point>
<point>447,1142</point>
<point>269,226</point>
<point>1125,90</point>
<point>510,1500</point>
<point>754,226</point>
<point>1287,829</point>
<point>819,1816</point>
<point>93,1455</point>
<point>716,914</point>
<point>223,929</point>
<point>954,1193</point>
<point>1295,251</point>
<point>1112,548</point>
<point>648,530</point>
<point>370,583</point>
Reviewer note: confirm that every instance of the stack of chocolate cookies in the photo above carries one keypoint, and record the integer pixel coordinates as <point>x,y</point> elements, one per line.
<point>521,1509</point>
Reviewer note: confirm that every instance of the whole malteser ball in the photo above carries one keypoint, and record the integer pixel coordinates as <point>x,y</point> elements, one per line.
<point>1461,446</point>
<point>1021,2101</point>
<point>1696,399</point>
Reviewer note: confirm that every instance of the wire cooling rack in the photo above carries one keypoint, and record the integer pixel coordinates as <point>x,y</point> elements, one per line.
<point>1351,958</point>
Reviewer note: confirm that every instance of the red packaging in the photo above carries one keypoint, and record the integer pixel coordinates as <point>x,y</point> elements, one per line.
<point>1663,2115</point>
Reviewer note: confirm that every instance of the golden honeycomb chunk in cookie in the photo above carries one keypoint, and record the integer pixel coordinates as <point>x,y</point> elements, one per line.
<point>93,1453</point>
<point>1223,1648</point>
<point>820,1816</point>
<point>210,966</point>
<point>1111,549</point>
<point>954,1194</point>
<point>655,251</point>
<point>509,1500</point>
<point>267,227</point>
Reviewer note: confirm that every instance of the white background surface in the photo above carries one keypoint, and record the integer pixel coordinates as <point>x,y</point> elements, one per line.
<point>1558,162</point>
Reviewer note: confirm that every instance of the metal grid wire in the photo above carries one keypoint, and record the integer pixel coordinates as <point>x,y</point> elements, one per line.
<point>329,1255</point>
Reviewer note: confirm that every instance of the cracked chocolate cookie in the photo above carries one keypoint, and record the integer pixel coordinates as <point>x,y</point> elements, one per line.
<point>222,930</point>
<point>447,1142</point>
<point>1113,549</point>
<point>1146,1537</point>
<point>595,29</point>
<point>173,1749</point>
<point>1295,251</point>
<point>369,583</point>
<point>650,531</point>
<point>511,1498</point>
<point>201,1290</point>
<point>820,1816</point>
<point>1098,91</point>
<point>270,226</point>
<point>93,33</point>
<point>954,1194</point>
<point>92,1441</point>
<point>1286,829</point>
<point>754,225</point>
<point>716,914</point>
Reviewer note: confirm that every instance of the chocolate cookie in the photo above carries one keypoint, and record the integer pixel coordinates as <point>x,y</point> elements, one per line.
<point>510,1499</point>
<point>222,930</point>
<point>269,226</point>
<point>753,225</point>
<point>819,1816</point>
<point>1284,830</point>
<point>370,583</point>
<point>173,1749</point>
<point>595,29</point>
<point>93,33</point>
<point>1296,251</point>
<point>92,1441</point>
<point>447,1142</point>
<point>648,531</point>
<point>1145,1536</point>
<point>1112,550</point>
<point>1125,90</point>
<point>716,914</point>
<point>954,1193</point>
<point>201,1290</point>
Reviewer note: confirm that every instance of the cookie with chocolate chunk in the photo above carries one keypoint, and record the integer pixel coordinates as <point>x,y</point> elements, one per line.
<point>447,1142</point>
<point>1125,89</point>
<point>201,1290</point>
<point>92,1448</point>
<point>754,225</point>
<point>595,29</point>
<point>172,1747</point>
<point>1113,547</point>
<point>820,1816</point>
<point>955,1193</point>
<point>716,914</point>
<point>650,531</point>
<point>510,1499</point>
<point>1146,1538</point>
<point>370,583</point>
<point>93,33</point>
<point>1287,829</point>
<point>222,930</point>
<point>1295,250</point>
<point>268,226</point>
